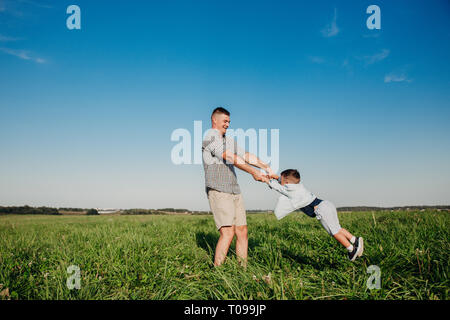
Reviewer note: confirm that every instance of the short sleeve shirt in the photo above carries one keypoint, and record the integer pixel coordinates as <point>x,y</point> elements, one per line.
<point>220,175</point>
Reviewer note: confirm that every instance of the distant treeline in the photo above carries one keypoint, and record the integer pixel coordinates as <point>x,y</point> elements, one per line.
<point>43,210</point>
<point>364,208</point>
<point>165,211</point>
<point>141,211</point>
<point>29,210</point>
<point>162,211</point>
<point>173,210</point>
<point>72,209</point>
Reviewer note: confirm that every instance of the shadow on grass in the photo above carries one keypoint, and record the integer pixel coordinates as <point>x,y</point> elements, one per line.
<point>303,260</point>
<point>207,241</point>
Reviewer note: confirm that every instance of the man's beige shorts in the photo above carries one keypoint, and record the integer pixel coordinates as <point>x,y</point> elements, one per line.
<point>228,209</point>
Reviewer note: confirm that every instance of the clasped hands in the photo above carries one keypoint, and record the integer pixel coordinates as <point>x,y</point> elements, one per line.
<point>259,176</point>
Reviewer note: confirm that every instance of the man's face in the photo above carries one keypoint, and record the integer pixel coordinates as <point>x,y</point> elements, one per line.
<point>221,122</point>
<point>282,180</point>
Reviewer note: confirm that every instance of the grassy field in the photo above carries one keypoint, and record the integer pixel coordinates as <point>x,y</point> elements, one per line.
<point>170,257</point>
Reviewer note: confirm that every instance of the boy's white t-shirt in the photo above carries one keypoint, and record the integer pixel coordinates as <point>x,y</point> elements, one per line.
<point>293,196</point>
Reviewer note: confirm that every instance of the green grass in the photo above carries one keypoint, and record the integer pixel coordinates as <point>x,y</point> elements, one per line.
<point>171,257</point>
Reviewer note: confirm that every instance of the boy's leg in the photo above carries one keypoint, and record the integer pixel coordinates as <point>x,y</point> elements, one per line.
<point>327,213</point>
<point>355,243</point>
<point>348,235</point>
<point>342,239</point>
<point>330,222</point>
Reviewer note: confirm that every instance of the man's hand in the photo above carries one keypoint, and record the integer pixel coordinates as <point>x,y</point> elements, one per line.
<point>271,174</point>
<point>269,171</point>
<point>259,176</point>
<point>242,164</point>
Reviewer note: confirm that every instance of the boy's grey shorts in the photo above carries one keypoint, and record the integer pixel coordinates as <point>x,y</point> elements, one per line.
<point>327,214</point>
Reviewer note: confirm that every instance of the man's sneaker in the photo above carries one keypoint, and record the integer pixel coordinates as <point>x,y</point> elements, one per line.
<point>359,244</point>
<point>353,254</point>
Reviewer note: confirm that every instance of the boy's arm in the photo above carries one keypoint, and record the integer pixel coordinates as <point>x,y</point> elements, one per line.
<point>273,184</point>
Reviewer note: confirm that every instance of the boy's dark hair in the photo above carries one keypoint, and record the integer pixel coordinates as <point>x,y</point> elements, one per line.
<point>291,173</point>
<point>220,110</point>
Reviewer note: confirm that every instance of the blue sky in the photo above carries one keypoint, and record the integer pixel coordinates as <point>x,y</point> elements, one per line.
<point>86,115</point>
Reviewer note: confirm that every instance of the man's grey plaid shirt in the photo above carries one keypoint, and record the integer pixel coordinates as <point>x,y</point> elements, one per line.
<point>220,175</point>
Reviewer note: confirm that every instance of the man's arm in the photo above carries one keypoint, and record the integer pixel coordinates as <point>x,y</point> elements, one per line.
<point>237,161</point>
<point>250,158</point>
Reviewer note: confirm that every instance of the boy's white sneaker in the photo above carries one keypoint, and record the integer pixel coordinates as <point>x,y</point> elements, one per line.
<point>358,248</point>
<point>359,243</point>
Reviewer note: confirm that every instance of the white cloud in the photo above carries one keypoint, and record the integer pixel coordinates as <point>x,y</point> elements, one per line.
<point>396,77</point>
<point>5,38</point>
<point>331,29</point>
<point>317,60</point>
<point>22,54</point>
<point>21,8</point>
<point>377,57</point>
<point>36,4</point>
<point>372,35</point>
<point>9,8</point>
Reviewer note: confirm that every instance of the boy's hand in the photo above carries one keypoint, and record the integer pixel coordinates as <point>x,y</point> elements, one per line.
<point>272,175</point>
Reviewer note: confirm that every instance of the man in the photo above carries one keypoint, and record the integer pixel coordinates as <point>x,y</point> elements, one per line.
<point>220,155</point>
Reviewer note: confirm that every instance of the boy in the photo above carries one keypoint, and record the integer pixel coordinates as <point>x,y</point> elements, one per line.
<point>295,196</point>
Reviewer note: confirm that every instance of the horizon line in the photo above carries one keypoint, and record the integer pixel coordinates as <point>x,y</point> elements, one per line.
<point>258,209</point>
